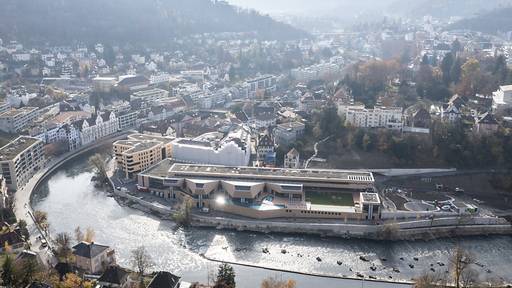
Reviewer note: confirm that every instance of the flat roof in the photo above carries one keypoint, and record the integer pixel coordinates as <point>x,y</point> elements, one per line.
<point>15,112</point>
<point>16,146</point>
<point>318,174</point>
<point>370,198</point>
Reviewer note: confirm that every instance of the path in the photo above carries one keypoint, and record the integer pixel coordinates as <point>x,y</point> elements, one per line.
<point>21,201</point>
<point>316,151</point>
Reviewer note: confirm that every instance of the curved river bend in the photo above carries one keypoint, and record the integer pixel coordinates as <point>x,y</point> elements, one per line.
<point>71,200</point>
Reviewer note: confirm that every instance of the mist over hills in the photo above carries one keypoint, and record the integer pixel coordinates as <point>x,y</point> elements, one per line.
<point>498,20</point>
<point>131,20</point>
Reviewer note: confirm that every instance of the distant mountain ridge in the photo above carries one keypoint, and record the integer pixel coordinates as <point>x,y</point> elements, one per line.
<point>499,20</point>
<point>131,20</point>
<point>445,8</point>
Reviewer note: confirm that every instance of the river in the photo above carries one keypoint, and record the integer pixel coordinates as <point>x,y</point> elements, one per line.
<point>71,200</point>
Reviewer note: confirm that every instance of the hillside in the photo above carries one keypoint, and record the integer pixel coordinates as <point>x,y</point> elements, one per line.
<point>130,20</point>
<point>445,8</point>
<point>491,22</point>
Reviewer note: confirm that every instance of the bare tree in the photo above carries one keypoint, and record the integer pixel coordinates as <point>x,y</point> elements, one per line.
<point>431,280</point>
<point>141,261</point>
<point>89,235</point>
<point>63,249</point>
<point>41,219</point>
<point>79,236</point>
<point>100,168</point>
<point>459,263</point>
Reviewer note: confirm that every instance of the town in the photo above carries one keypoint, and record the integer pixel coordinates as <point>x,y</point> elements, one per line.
<point>396,130</point>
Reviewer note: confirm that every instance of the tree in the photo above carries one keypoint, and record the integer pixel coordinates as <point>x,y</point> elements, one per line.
<point>63,249</point>
<point>26,272</point>
<point>184,216</point>
<point>446,67</point>
<point>8,271</point>
<point>430,280</point>
<point>225,277</point>
<point>89,235</point>
<point>22,224</point>
<point>79,236</point>
<point>41,219</point>
<point>273,282</point>
<point>459,264</point>
<point>141,261</point>
<point>100,168</point>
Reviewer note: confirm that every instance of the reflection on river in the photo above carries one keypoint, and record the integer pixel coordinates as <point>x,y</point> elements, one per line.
<point>71,200</point>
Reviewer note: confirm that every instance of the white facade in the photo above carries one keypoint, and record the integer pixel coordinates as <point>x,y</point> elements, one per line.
<point>321,71</point>
<point>292,159</point>
<point>502,99</point>
<point>451,114</point>
<point>234,150</point>
<point>149,95</point>
<point>98,127</point>
<point>15,120</point>
<point>378,117</point>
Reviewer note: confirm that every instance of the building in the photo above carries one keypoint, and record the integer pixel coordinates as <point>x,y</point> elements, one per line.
<point>292,159</point>
<point>164,279</point>
<point>20,160</point>
<point>287,133</point>
<point>93,258</point>
<point>140,152</point>
<point>322,71</point>
<point>3,192</point>
<point>378,117</point>
<point>4,106</point>
<point>371,205</point>
<point>15,120</point>
<point>131,83</point>
<point>232,149</point>
<point>104,84</point>
<point>263,116</point>
<point>502,99</point>
<point>451,113</point>
<point>265,150</point>
<point>128,119</point>
<point>485,124</point>
<point>149,96</point>
<point>115,277</point>
<point>257,192</point>
<point>260,86</point>
<point>98,126</point>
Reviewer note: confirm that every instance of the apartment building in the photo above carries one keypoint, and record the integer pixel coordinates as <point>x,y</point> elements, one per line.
<point>140,151</point>
<point>502,99</point>
<point>20,160</point>
<point>93,258</point>
<point>15,120</point>
<point>260,85</point>
<point>98,126</point>
<point>378,117</point>
<point>148,96</point>
<point>287,133</point>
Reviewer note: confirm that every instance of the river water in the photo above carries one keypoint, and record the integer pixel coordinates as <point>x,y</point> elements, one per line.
<point>71,200</point>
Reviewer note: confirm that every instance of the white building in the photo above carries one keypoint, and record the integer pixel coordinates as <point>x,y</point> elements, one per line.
<point>287,133</point>
<point>97,127</point>
<point>15,120</point>
<point>260,85</point>
<point>104,84</point>
<point>234,149</point>
<point>502,99</point>
<point>378,117</point>
<point>20,160</point>
<point>292,159</point>
<point>322,71</point>
<point>151,95</point>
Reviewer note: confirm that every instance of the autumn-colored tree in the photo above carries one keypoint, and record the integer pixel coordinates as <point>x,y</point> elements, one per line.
<point>273,282</point>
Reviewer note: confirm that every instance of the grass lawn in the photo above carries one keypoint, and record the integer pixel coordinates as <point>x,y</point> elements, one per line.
<point>336,199</point>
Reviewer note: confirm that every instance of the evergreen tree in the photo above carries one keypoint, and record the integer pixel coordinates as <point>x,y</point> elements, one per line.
<point>8,271</point>
<point>225,277</point>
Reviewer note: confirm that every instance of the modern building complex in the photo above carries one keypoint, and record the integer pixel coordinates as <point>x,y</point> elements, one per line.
<point>20,160</point>
<point>378,117</point>
<point>15,120</point>
<point>263,192</point>
<point>140,152</point>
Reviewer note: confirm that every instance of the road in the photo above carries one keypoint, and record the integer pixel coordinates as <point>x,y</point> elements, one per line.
<point>23,210</point>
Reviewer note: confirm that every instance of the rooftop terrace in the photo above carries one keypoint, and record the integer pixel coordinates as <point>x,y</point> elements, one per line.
<point>15,147</point>
<point>359,176</point>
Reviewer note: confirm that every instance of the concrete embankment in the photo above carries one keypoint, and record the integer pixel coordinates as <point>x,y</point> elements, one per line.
<point>411,230</point>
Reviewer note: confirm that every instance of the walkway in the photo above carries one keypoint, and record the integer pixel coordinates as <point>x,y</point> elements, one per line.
<point>316,151</point>
<point>21,201</point>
